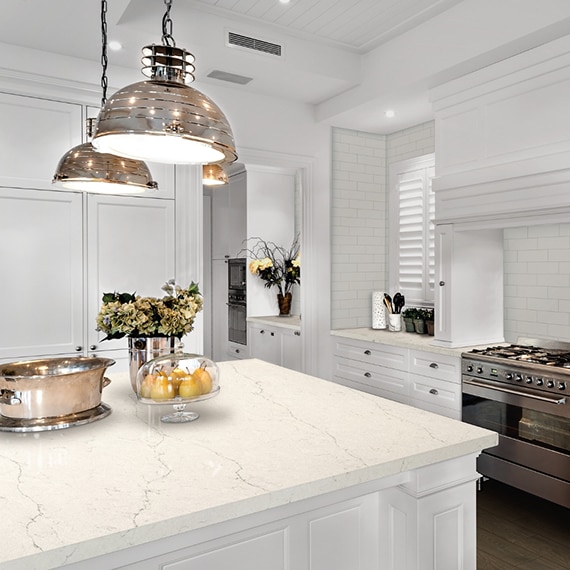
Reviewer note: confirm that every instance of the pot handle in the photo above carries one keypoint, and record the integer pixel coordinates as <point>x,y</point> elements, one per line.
<point>10,397</point>
<point>106,381</point>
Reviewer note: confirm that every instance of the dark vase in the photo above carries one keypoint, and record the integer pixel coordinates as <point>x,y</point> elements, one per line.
<point>430,329</point>
<point>284,302</point>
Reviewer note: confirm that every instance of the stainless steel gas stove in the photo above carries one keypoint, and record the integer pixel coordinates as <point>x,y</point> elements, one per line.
<point>522,391</point>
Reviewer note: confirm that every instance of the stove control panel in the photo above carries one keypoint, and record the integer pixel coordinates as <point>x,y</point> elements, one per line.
<point>550,381</point>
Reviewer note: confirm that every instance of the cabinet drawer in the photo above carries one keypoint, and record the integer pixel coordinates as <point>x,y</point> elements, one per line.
<point>435,392</point>
<point>389,379</point>
<point>439,366</point>
<point>370,353</point>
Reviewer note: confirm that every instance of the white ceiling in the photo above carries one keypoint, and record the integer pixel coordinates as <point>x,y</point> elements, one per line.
<point>351,59</point>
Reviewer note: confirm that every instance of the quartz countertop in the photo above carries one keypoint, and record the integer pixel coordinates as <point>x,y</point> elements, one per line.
<point>405,339</point>
<point>292,322</point>
<point>272,436</point>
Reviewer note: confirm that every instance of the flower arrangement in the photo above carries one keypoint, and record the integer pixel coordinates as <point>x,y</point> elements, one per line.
<point>276,265</point>
<point>126,314</point>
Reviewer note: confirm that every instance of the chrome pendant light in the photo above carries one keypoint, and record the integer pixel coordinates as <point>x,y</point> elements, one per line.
<point>163,119</point>
<point>83,168</point>
<point>213,175</point>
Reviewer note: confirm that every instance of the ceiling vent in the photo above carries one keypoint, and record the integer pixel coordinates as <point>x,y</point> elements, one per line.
<point>254,44</point>
<point>231,77</point>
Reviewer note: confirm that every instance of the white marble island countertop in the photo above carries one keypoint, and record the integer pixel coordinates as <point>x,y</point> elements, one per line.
<point>272,436</point>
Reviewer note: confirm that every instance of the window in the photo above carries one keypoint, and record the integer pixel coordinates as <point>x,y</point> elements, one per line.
<point>412,209</point>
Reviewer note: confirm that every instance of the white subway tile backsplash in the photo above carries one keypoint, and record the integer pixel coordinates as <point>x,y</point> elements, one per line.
<point>361,162</point>
<point>537,282</point>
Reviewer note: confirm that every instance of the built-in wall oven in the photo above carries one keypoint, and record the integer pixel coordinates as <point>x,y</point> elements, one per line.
<point>521,391</point>
<point>237,301</point>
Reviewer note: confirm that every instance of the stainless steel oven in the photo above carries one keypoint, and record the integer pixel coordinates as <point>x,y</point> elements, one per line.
<point>522,392</point>
<point>237,301</point>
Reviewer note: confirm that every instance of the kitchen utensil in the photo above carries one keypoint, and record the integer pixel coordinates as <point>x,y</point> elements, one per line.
<point>52,387</point>
<point>399,302</point>
<point>388,303</point>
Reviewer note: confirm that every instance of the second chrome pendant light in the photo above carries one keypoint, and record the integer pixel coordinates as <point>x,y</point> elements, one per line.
<point>84,168</point>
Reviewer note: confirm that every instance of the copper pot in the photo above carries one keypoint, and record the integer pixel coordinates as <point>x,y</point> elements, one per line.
<point>52,387</point>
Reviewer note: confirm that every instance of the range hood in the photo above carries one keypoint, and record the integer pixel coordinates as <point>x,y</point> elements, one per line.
<point>503,142</point>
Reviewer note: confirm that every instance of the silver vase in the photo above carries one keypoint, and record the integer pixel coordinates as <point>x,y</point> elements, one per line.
<point>143,349</point>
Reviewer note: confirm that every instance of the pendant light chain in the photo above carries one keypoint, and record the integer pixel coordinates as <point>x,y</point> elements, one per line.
<point>167,38</point>
<point>104,58</point>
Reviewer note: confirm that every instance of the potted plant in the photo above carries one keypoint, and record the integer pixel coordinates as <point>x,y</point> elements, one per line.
<point>429,317</point>
<point>409,315</point>
<point>419,321</point>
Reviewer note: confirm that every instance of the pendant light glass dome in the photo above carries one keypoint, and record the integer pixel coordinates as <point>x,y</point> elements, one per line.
<point>213,175</point>
<point>83,168</point>
<point>163,119</point>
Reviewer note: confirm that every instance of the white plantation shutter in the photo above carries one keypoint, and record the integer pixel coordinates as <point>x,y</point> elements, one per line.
<point>412,252</point>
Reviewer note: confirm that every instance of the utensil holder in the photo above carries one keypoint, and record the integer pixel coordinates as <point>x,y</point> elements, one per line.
<point>395,322</point>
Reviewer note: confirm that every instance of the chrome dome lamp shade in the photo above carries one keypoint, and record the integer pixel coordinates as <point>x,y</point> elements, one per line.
<point>213,175</point>
<point>83,168</point>
<point>163,119</point>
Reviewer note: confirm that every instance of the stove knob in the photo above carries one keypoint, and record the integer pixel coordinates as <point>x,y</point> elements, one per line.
<point>518,377</point>
<point>539,382</point>
<point>469,368</point>
<point>550,384</point>
<point>479,370</point>
<point>529,379</point>
<point>562,385</point>
<point>509,376</point>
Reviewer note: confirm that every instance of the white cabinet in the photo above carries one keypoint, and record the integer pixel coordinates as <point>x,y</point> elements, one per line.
<point>435,383</point>
<point>41,290</point>
<point>424,379</point>
<point>229,218</point>
<point>130,248</point>
<point>57,264</point>
<point>275,344</point>
<point>237,350</point>
<point>375,368</point>
<point>468,287</point>
<point>36,133</point>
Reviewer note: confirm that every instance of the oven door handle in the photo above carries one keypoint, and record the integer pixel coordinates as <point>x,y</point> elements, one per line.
<point>493,386</point>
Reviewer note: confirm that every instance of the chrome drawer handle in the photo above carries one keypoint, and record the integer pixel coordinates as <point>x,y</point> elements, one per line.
<point>434,392</point>
<point>434,365</point>
<point>368,375</point>
<point>367,352</point>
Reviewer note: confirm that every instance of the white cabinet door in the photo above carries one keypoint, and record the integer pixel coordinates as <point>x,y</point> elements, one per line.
<point>219,309</point>
<point>229,218</point>
<point>442,285</point>
<point>291,349</point>
<point>220,223</point>
<point>265,343</point>
<point>35,134</point>
<point>41,248</point>
<point>130,248</point>
<point>237,214</point>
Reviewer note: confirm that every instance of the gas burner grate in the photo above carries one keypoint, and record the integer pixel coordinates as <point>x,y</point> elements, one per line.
<point>527,354</point>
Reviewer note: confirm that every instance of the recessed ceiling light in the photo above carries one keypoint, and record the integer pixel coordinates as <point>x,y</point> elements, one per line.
<point>115,46</point>
<point>284,1</point>
<point>390,113</point>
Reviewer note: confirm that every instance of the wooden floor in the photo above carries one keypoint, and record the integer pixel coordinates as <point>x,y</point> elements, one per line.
<point>518,530</point>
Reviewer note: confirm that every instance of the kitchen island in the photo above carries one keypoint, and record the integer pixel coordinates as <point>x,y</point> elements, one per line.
<point>281,470</point>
